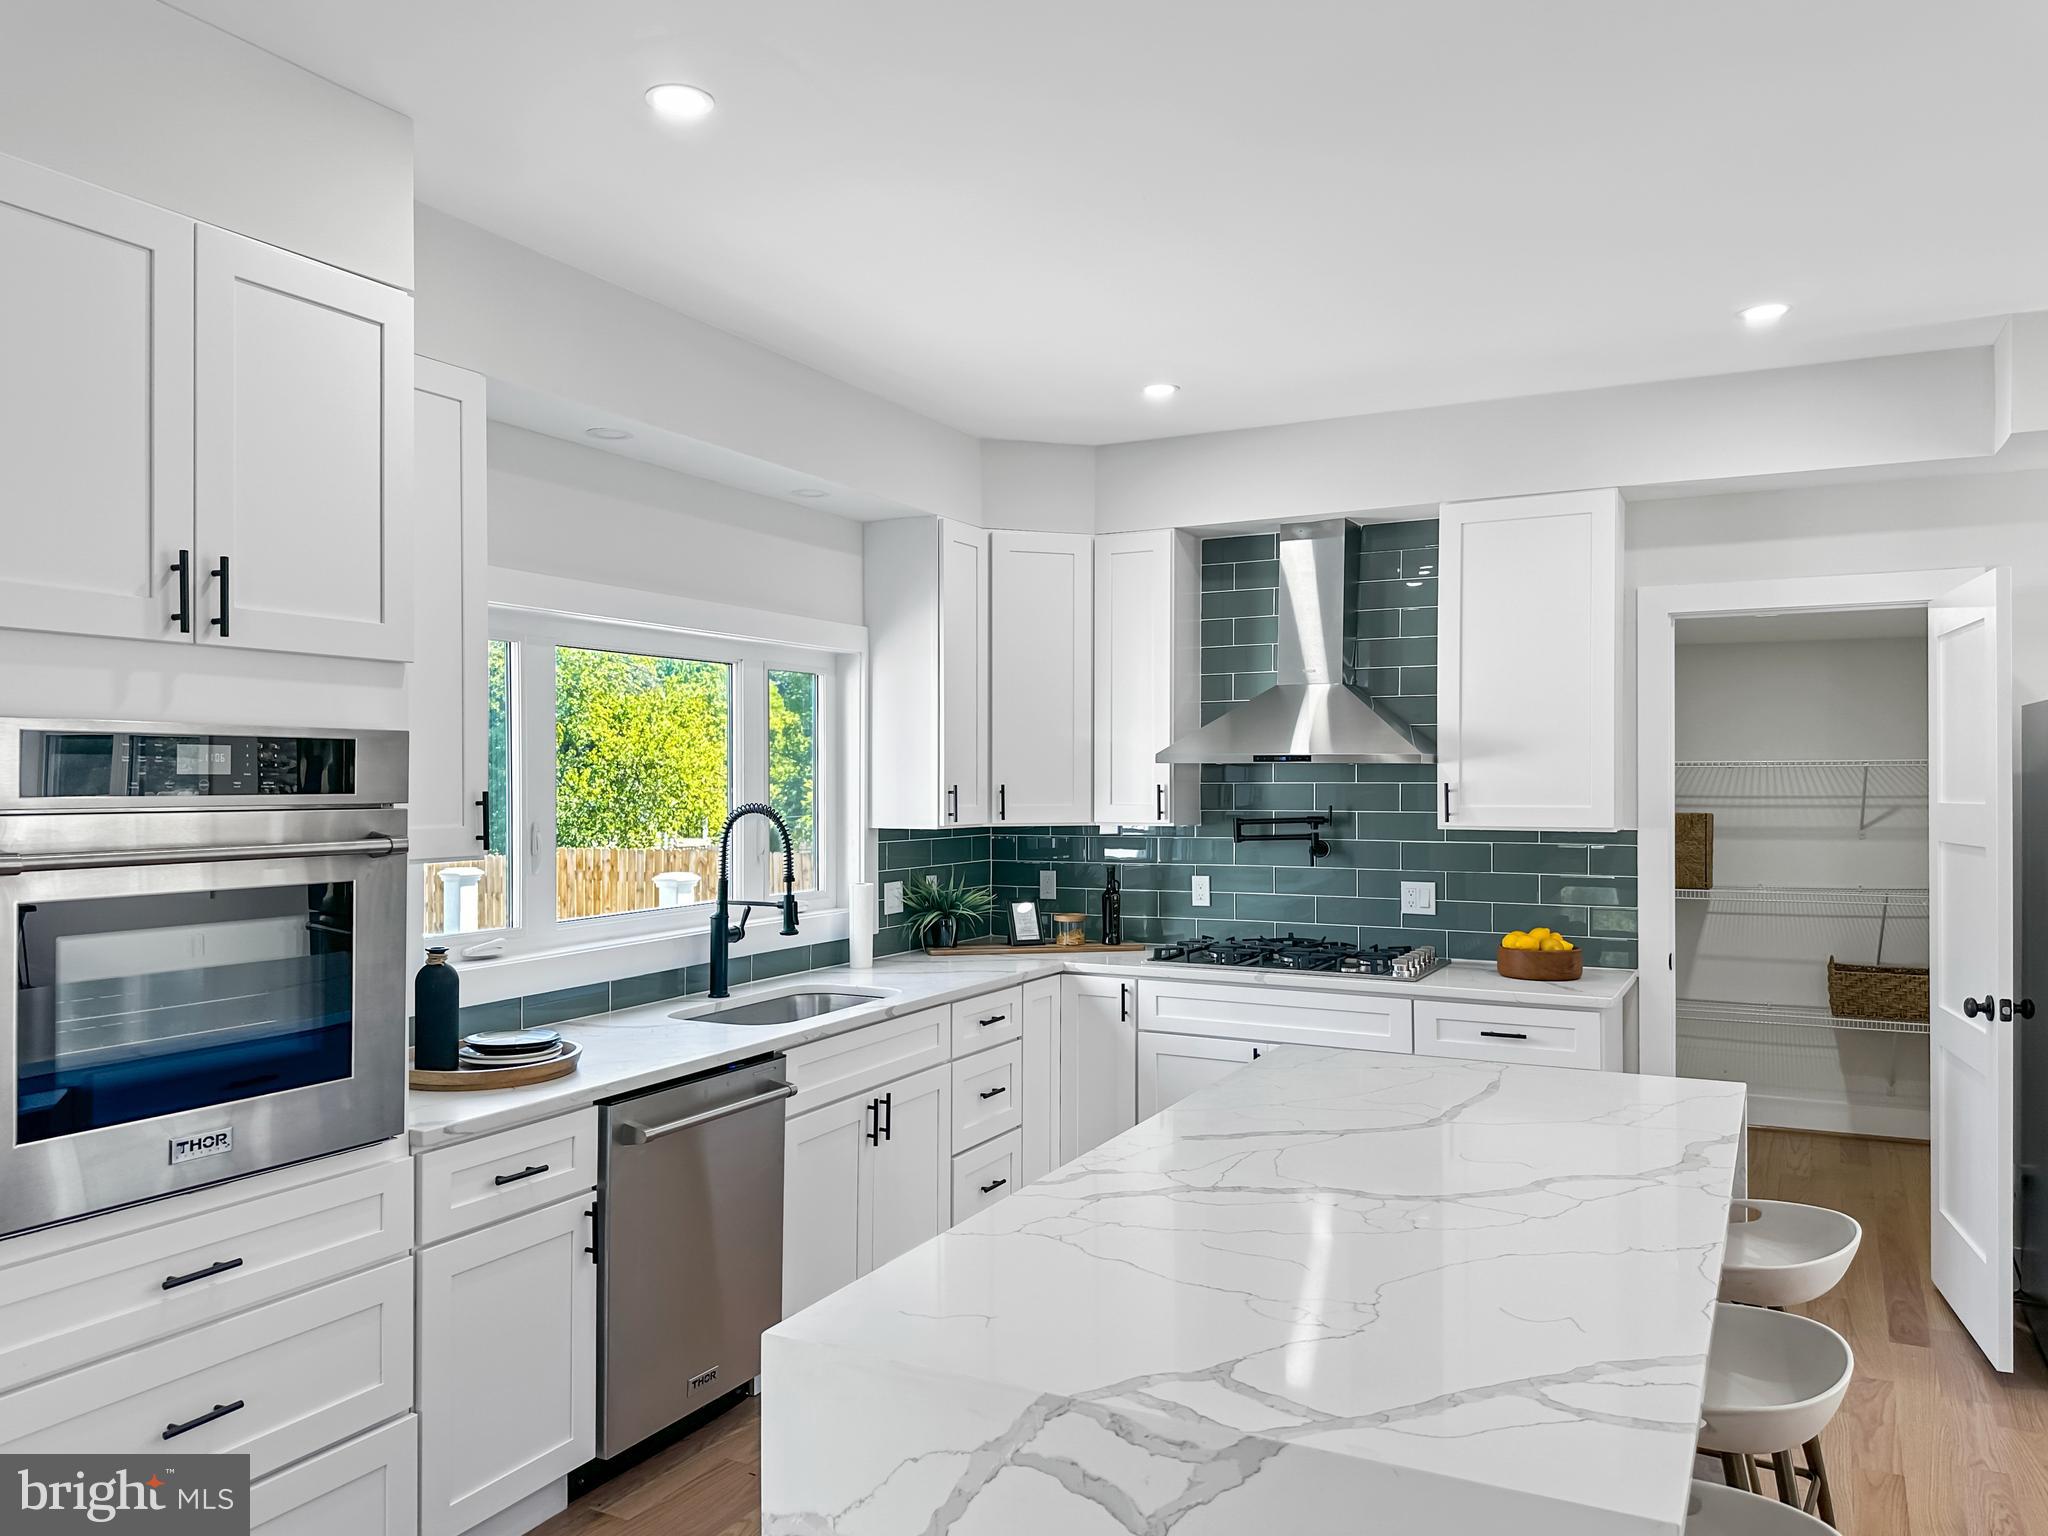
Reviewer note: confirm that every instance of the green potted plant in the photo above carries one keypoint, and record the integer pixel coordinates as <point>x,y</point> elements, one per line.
<point>938,912</point>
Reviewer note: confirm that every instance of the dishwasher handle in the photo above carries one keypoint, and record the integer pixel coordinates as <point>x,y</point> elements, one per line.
<point>634,1134</point>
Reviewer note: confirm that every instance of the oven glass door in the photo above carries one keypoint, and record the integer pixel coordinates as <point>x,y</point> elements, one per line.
<point>135,1005</point>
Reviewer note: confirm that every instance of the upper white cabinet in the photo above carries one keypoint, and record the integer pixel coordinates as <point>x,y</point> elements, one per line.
<point>95,407</point>
<point>1531,688</point>
<point>447,692</point>
<point>208,439</point>
<point>1041,665</point>
<point>927,591</point>
<point>303,449</point>
<point>1147,675</point>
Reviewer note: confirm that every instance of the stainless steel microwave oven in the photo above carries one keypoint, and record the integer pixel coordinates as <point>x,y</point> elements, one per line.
<point>206,930</point>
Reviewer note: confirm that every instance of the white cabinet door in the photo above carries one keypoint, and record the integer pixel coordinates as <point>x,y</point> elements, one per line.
<point>447,687</point>
<point>1531,696</point>
<point>1098,1061</point>
<point>1041,671</point>
<point>302,454</point>
<point>508,1363</point>
<point>963,674</point>
<point>1039,1085</point>
<point>368,1486</point>
<point>1147,675</point>
<point>822,1179</point>
<point>984,1175</point>
<point>95,407</point>
<point>1552,1037</point>
<point>907,1176</point>
<point>1170,1067</point>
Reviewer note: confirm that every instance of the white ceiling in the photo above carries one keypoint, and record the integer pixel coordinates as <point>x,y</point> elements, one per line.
<point>1010,217</point>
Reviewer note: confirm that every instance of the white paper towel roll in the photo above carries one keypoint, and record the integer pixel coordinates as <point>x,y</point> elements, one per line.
<point>860,925</point>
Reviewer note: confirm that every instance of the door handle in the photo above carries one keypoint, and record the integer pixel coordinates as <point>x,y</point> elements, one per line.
<point>996,1020</point>
<point>993,1185</point>
<point>483,804</point>
<point>1502,1034</point>
<point>182,569</point>
<point>1123,1002</point>
<point>874,1122</point>
<point>639,1135</point>
<point>220,1411</point>
<point>220,574</point>
<point>888,1117</point>
<point>592,1249</point>
<point>953,795</point>
<point>2024,1007</point>
<point>172,1282</point>
<point>1002,802</point>
<point>1971,1007</point>
<point>528,1172</point>
<point>1159,801</point>
<point>1255,1053</point>
<point>1447,800</point>
<point>989,1093</point>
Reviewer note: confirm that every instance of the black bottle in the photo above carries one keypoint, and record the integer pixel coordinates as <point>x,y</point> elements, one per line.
<point>436,1014</point>
<point>1112,910</point>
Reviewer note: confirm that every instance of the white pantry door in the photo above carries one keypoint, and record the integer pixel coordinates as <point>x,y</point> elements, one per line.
<point>1970,871</point>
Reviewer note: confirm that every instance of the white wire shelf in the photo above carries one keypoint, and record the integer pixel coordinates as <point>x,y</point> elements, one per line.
<point>1899,901</point>
<point>1787,1015</point>
<point>1874,789</point>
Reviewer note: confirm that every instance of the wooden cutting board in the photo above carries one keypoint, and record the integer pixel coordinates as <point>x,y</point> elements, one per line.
<point>475,1079</point>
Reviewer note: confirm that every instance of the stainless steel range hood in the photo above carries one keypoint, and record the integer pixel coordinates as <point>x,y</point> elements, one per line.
<point>1313,713</point>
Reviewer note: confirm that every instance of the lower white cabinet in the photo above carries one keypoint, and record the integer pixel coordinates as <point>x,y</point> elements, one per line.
<point>362,1487</point>
<point>1170,1067</point>
<point>985,1174</point>
<point>1347,1018</point>
<point>508,1363</point>
<point>863,1181</point>
<point>1039,1080</point>
<point>1553,1037</point>
<point>987,1095</point>
<point>1098,1061</point>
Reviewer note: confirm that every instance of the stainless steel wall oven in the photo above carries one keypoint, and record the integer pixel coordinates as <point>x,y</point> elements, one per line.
<point>206,930</point>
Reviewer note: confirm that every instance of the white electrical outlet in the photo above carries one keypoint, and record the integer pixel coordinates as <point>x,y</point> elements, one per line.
<point>1049,884</point>
<point>1201,890</point>
<point>1418,896</point>
<point>892,897</point>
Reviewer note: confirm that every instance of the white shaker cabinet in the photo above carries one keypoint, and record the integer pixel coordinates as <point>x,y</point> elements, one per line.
<point>1041,670</point>
<point>447,691</point>
<point>1532,686</point>
<point>1098,1061</point>
<point>1039,1146</point>
<point>1170,1067</point>
<point>303,416</point>
<point>95,407</point>
<point>1147,676</point>
<point>927,595</point>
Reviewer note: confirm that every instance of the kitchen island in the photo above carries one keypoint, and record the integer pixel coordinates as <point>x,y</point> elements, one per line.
<point>1336,1292</point>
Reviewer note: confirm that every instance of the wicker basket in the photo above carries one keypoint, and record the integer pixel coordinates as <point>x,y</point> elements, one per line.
<point>1893,992</point>
<point>1693,860</point>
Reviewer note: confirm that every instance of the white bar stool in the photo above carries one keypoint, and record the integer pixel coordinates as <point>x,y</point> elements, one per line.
<point>1774,1381</point>
<point>1717,1511</point>
<point>1781,1254</point>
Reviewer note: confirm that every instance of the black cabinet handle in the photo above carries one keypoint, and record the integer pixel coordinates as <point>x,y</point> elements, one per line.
<point>220,1411</point>
<point>1123,1002</point>
<point>1255,1053</point>
<point>524,1173</point>
<point>989,1093</point>
<point>1503,1034</point>
<point>1002,802</point>
<point>1971,1007</point>
<point>1159,801</point>
<point>953,795</point>
<point>874,1122</point>
<point>592,1249</point>
<point>172,1282</point>
<point>888,1117</point>
<point>1447,801</point>
<point>182,569</point>
<point>993,1185</point>
<point>996,1020</point>
<point>483,804</point>
<point>220,574</point>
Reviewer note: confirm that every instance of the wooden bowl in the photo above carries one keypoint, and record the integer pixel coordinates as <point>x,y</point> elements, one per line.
<point>1539,965</point>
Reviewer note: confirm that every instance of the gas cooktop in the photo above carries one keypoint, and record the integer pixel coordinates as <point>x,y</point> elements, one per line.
<point>1286,952</point>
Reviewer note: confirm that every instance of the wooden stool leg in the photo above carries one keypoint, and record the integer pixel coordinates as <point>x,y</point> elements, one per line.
<point>1731,1469</point>
<point>1819,1468</point>
<point>1788,1480</point>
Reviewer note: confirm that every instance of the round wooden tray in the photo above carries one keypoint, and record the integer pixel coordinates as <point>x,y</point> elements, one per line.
<point>474,1079</point>
<point>1537,965</point>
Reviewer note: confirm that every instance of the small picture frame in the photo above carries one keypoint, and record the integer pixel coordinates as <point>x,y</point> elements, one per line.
<point>1024,923</point>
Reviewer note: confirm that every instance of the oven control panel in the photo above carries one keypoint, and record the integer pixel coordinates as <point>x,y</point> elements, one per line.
<point>117,765</point>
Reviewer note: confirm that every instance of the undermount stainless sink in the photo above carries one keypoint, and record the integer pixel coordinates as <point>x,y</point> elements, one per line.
<point>787,1008</point>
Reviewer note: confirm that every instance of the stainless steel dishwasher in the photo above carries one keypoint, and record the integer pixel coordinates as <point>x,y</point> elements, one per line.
<point>689,1246</point>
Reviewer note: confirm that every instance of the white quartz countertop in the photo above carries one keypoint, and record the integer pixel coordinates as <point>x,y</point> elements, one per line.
<point>1335,1292</point>
<point>637,1048</point>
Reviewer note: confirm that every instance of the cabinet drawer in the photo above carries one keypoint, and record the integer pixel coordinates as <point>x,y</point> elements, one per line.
<point>475,1183</point>
<point>1278,1015</point>
<point>986,1174</point>
<point>981,1022</point>
<point>368,1486</point>
<point>865,1058</point>
<point>1556,1037</point>
<point>60,1309</point>
<point>985,1095</point>
<point>294,1376</point>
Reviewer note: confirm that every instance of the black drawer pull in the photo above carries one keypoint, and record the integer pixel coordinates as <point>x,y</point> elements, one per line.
<point>989,1093</point>
<point>220,1411</point>
<point>1503,1034</point>
<point>991,1188</point>
<point>996,1020</point>
<point>524,1173</point>
<point>172,1282</point>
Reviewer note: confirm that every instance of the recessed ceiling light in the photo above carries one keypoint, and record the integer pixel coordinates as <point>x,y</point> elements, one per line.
<point>1160,391</point>
<point>807,490</point>
<point>607,434</point>
<point>680,103</point>
<point>1760,315</point>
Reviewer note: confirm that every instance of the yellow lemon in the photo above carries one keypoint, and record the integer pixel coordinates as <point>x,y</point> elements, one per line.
<point>1518,940</point>
<point>1539,933</point>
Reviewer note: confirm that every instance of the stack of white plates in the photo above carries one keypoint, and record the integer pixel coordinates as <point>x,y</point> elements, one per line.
<point>510,1048</point>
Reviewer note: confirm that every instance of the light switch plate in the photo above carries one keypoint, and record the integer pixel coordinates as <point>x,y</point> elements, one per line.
<point>1049,884</point>
<point>1201,897</point>
<point>892,897</point>
<point>1418,896</point>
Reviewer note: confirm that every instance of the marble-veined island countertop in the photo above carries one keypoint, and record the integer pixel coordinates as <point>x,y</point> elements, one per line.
<point>1335,1292</point>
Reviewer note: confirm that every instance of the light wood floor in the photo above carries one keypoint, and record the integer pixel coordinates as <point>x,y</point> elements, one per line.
<point>1931,1441</point>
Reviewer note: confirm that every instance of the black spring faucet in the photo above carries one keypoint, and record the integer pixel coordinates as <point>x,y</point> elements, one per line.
<point>723,934</point>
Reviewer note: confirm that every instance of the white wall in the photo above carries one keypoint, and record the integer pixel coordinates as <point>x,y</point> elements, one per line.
<point>564,510</point>
<point>139,97</point>
<point>1038,487</point>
